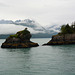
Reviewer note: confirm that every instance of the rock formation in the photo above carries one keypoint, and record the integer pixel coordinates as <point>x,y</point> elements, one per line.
<point>62,39</point>
<point>20,40</point>
<point>66,36</point>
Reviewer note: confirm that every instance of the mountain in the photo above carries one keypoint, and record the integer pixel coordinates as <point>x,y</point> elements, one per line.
<point>31,24</point>
<point>6,21</point>
<point>8,27</point>
<point>53,28</point>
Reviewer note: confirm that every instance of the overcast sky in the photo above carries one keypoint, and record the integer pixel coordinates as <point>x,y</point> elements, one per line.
<point>44,12</point>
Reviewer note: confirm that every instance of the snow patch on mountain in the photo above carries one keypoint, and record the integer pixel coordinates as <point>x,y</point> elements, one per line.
<point>53,28</point>
<point>9,27</point>
<point>30,23</point>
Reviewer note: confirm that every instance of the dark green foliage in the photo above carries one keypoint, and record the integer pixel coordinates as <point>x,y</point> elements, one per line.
<point>66,29</point>
<point>63,29</point>
<point>73,26</point>
<point>24,32</point>
<point>16,36</point>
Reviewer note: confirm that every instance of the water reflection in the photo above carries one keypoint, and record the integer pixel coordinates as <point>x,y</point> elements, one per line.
<point>19,49</point>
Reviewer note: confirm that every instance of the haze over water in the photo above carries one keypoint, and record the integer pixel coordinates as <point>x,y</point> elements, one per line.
<point>42,60</point>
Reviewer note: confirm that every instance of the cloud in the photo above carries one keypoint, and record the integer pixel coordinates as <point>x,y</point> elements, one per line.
<point>3,5</point>
<point>43,11</point>
<point>11,29</point>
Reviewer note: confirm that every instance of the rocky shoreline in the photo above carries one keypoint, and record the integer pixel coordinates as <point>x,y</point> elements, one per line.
<point>62,39</point>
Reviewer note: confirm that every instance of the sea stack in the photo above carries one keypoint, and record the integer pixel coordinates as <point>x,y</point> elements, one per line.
<point>20,40</point>
<point>66,36</point>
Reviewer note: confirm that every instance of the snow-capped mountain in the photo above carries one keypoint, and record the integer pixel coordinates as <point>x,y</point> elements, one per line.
<point>53,28</point>
<point>6,21</point>
<point>10,27</point>
<point>31,24</point>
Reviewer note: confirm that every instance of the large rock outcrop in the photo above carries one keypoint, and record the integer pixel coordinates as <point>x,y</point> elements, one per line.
<point>61,39</point>
<point>20,40</point>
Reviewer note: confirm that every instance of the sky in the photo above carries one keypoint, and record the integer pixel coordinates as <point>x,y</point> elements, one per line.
<point>12,28</point>
<point>45,12</point>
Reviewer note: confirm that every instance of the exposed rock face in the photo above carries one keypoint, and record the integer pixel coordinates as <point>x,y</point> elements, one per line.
<point>20,40</point>
<point>62,39</point>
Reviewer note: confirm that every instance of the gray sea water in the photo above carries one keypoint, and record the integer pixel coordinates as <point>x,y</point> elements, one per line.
<point>42,60</point>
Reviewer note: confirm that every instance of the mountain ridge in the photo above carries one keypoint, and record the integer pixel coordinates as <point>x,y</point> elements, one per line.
<point>35,28</point>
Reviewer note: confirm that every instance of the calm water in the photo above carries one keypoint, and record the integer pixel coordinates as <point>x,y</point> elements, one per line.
<point>42,60</point>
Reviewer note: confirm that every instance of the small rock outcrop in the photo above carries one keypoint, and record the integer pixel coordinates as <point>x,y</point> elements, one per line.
<point>20,40</point>
<point>62,39</point>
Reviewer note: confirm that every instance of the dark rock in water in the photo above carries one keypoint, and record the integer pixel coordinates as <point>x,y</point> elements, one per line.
<point>20,40</point>
<point>62,39</point>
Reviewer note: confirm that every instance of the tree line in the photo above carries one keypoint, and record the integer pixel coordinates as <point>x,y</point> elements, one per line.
<point>68,29</point>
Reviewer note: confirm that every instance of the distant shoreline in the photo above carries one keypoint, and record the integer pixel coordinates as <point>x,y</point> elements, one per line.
<point>4,36</point>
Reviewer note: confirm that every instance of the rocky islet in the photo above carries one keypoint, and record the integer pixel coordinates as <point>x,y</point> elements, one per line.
<point>19,40</point>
